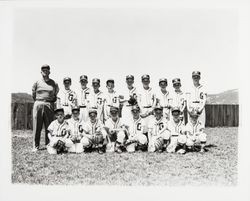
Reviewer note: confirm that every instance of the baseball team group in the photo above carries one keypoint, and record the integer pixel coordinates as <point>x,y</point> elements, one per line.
<point>140,120</point>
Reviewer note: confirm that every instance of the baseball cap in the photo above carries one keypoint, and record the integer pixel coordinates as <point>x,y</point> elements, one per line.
<point>129,77</point>
<point>96,80</point>
<point>135,107</point>
<point>158,107</point>
<point>163,80</point>
<point>193,113</point>
<point>145,77</point>
<point>84,77</point>
<point>196,73</point>
<point>110,80</point>
<point>175,109</point>
<point>114,108</point>
<point>75,108</point>
<point>176,81</point>
<point>58,110</point>
<point>93,110</point>
<point>67,79</point>
<point>45,66</point>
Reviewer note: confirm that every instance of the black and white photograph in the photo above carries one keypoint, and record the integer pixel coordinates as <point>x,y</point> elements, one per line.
<point>126,95</point>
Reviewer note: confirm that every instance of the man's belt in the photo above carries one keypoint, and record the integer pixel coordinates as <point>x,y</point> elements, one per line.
<point>65,105</point>
<point>147,106</point>
<point>43,100</point>
<point>82,106</point>
<point>196,102</point>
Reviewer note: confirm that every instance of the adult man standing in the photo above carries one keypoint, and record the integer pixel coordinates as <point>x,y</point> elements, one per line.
<point>44,93</point>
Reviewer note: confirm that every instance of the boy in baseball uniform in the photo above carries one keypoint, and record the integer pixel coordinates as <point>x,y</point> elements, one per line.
<point>66,98</point>
<point>83,98</point>
<point>97,99</point>
<point>194,131</point>
<point>58,130</point>
<point>177,97</point>
<point>116,130</point>
<point>75,131</point>
<point>94,134</point>
<point>197,98</point>
<point>146,100</point>
<point>111,98</point>
<point>158,133</point>
<point>132,92</point>
<point>136,129</point>
<point>178,138</point>
<point>162,97</point>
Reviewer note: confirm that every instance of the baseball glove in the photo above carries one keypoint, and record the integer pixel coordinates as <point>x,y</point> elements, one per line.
<point>98,138</point>
<point>60,147</point>
<point>113,136</point>
<point>132,101</point>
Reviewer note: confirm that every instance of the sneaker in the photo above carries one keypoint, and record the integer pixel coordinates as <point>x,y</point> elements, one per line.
<point>202,150</point>
<point>181,151</point>
<point>35,149</point>
<point>100,151</point>
<point>159,151</point>
<point>118,150</point>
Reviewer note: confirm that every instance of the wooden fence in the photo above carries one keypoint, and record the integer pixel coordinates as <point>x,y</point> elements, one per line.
<point>216,115</point>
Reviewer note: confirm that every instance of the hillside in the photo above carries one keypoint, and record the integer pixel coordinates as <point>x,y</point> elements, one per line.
<point>226,97</point>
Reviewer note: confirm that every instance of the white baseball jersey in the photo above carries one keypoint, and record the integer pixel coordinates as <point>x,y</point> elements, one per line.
<point>57,129</point>
<point>175,128</point>
<point>75,127</point>
<point>136,127</point>
<point>192,129</point>
<point>157,126</point>
<point>146,98</point>
<point>131,92</point>
<point>126,110</point>
<point>110,124</point>
<point>177,99</point>
<point>197,96</point>
<point>66,99</point>
<point>83,97</point>
<point>111,99</point>
<point>92,128</point>
<point>97,100</point>
<point>163,98</point>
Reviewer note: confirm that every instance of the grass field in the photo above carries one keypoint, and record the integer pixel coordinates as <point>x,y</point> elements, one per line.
<point>217,166</point>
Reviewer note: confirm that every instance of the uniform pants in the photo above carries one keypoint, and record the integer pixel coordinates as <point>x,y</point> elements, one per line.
<point>43,113</point>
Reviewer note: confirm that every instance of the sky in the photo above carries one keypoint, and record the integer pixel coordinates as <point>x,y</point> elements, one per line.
<point>113,42</point>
